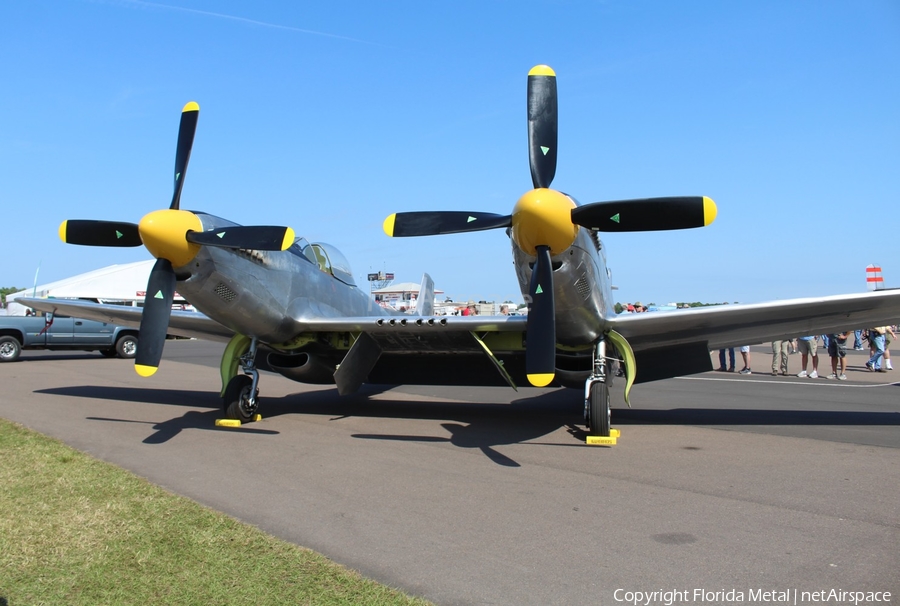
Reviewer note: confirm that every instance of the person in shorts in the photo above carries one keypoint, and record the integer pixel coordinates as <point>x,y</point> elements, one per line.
<point>807,347</point>
<point>889,336</point>
<point>837,349</point>
<point>745,354</point>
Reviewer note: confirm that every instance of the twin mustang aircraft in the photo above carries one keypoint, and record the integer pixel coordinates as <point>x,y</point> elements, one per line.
<point>270,294</point>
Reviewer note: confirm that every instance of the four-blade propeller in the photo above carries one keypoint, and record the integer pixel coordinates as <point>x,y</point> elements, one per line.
<point>545,222</point>
<point>174,237</point>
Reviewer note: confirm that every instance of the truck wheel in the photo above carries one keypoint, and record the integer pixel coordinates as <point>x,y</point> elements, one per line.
<point>10,348</point>
<point>126,346</point>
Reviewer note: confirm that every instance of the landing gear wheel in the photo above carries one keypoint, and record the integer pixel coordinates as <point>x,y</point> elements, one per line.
<point>126,346</point>
<point>10,348</point>
<point>598,422</point>
<point>236,400</point>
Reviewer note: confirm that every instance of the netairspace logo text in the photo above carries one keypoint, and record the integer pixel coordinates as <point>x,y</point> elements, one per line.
<point>668,597</point>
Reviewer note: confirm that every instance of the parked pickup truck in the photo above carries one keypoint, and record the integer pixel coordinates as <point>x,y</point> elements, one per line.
<point>55,331</point>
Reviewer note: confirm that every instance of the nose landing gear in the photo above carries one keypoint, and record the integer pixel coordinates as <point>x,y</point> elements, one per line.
<point>596,399</point>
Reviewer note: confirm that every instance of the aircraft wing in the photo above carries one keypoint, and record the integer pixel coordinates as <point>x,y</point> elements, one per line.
<point>181,323</point>
<point>734,325</point>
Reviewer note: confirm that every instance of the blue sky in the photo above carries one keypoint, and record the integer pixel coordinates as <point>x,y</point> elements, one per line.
<point>329,116</point>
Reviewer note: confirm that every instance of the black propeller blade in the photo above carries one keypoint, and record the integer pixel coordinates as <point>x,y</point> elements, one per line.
<point>649,214</point>
<point>155,318</point>
<point>543,118</point>
<point>255,237</point>
<point>402,225</point>
<point>99,233</point>
<point>540,350</point>
<point>189,115</point>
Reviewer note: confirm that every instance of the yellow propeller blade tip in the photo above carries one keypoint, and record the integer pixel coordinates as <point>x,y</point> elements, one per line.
<point>191,106</point>
<point>541,379</point>
<point>709,211</point>
<point>145,371</point>
<point>289,237</point>
<point>388,225</point>
<point>541,70</point>
<point>62,230</point>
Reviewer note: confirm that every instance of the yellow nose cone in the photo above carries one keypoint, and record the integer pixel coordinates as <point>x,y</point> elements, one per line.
<point>163,233</point>
<point>543,217</point>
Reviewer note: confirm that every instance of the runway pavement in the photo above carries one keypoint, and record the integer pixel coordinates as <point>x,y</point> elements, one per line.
<point>487,496</point>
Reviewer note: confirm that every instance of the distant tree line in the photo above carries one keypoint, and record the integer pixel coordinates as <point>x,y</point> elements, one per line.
<point>7,290</point>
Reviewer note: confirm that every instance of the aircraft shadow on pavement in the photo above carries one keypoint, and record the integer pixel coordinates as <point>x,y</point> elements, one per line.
<point>165,430</point>
<point>480,425</point>
<point>43,356</point>
<point>712,416</point>
<point>176,397</point>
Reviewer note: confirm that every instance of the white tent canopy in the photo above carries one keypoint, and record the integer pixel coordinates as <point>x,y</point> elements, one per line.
<point>124,284</point>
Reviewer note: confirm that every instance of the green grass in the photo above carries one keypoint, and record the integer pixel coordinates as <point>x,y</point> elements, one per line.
<point>74,530</point>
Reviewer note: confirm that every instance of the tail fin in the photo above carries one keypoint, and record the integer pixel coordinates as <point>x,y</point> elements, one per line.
<point>425,302</point>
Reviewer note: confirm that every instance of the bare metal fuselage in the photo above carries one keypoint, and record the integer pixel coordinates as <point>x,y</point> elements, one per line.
<point>582,290</point>
<point>265,294</point>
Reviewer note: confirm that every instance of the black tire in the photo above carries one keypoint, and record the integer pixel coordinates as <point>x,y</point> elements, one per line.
<point>599,419</point>
<point>236,394</point>
<point>126,346</point>
<point>10,349</point>
<point>108,353</point>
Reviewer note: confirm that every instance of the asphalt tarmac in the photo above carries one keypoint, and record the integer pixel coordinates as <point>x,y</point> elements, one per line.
<point>719,482</point>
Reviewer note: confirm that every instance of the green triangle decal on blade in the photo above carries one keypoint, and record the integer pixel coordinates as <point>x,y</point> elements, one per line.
<point>158,295</point>
<point>118,234</point>
<point>615,217</point>
<point>539,290</point>
<point>470,219</point>
<point>544,150</point>
<point>221,234</point>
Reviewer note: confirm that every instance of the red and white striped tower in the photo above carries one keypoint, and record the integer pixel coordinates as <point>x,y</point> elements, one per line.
<point>874,281</point>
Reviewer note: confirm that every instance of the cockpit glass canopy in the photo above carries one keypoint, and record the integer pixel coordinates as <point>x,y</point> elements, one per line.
<point>328,258</point>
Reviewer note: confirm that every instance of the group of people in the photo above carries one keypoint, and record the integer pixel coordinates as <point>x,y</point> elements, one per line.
<point>879,339</point>
<point>635,308</point>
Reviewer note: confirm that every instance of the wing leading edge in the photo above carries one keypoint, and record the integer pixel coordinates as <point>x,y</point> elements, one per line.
<point>733,325</point>
<point>183,323</point>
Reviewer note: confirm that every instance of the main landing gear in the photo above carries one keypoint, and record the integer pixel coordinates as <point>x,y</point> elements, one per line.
<point>596,394</point>
<point>240,399</point>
